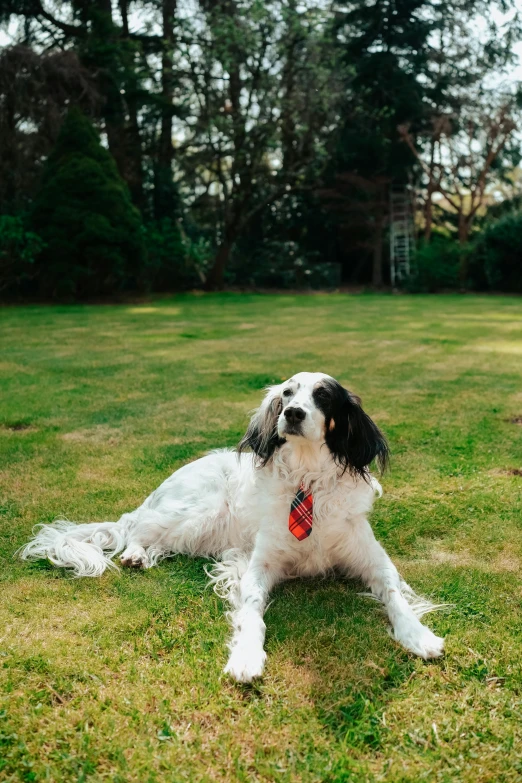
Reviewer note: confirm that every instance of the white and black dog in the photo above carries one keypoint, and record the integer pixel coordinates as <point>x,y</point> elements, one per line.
<point>310,435</point>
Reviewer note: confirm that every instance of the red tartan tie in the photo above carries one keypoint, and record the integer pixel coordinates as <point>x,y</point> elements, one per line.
<point>301,514</point>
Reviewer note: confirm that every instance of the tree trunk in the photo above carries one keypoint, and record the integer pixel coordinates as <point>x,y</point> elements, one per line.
<point>428,215</point>
<point>124,11</point>
<point>428,212</point>
<point>464,225</point>
<point>9,155</point>
<point>288,136</point>
<point>216,276</point>
<point>103,29</point>
<point>377,253</point>
<point>165,194</point>
<point>133,164</point>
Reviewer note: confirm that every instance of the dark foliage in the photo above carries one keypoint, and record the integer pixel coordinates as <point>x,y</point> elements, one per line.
<point>498,253</point>
<point>386,53</point>
<point>169,265</point>
<point>83,212</point>
<point>35,93</point>
<point>18,250</point>
<point>436,264</point>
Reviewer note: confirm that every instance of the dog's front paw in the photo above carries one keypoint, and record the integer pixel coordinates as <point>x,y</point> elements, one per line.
<point>245,664</point>
<point>420,641</point>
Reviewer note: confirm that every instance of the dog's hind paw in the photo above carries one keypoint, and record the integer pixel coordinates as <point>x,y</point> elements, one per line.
<point>134,557</point>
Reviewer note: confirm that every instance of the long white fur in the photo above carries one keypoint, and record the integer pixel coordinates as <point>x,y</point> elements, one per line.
<point>225,507</point>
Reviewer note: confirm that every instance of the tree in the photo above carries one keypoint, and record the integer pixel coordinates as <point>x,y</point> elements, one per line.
<point>105,49</point>
<point>166,198</point>
<point>467,141</point>
<point>469,118</point>
<point>385,48</point>
<point>225,117</point>
<point>35,92</point>
<point>83,212</point>
<point>123,63</point>
<point>360,206</point>
<point>467,153</point>
<point>264,81</point>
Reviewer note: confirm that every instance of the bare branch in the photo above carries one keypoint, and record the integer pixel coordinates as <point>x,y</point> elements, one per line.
<point>407,138</point>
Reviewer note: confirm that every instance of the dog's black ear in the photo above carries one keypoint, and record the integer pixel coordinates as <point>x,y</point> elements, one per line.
<point>261,435</point>
<point>352,437</point>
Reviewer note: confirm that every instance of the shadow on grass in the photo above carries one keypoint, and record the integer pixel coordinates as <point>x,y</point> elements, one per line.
<point>340,640</point>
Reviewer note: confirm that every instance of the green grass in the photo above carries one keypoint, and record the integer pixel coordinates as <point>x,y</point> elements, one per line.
<point>119,678</point>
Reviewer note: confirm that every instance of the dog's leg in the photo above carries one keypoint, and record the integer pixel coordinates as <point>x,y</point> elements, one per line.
<point>247,656</point>
<point>367,559</point>
<point>144,545</point>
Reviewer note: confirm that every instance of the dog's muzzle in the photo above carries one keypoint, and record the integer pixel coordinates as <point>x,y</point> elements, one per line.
<point>294,417</point>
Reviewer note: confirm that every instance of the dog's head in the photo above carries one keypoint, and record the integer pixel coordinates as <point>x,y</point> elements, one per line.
<point>314,407</point>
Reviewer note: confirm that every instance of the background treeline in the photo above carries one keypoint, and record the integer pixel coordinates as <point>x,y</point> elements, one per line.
<point>162,144</point>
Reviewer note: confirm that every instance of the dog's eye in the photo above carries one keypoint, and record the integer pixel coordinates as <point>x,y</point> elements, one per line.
<point>321,393</point>
<point>287,392</point>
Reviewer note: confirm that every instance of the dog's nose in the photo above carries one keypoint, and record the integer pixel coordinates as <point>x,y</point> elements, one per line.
<point>294,415</point>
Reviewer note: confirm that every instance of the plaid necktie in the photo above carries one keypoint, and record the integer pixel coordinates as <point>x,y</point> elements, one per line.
<point>301,514</point>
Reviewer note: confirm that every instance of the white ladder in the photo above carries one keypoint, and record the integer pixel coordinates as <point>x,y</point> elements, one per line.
<point>402,243</point>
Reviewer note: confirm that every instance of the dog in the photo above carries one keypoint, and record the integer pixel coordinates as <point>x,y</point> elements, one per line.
<point>292,501</point>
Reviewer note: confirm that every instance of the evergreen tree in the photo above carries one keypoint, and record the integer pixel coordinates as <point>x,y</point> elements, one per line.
<point>84,214</point>
<point>386,51</point>
<point>386,47</point>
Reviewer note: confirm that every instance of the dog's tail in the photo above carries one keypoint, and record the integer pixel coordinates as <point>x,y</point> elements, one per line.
<point>85,549</point>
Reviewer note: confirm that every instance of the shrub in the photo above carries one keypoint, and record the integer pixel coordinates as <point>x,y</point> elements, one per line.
<point>437,264</point>
<point>18,250</point>
<point>498,253</point>
<point>93,234</point>
<point>174,260</point>
<point>283,264</point>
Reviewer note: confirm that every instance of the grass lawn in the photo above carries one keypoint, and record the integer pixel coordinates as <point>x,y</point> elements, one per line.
<point>120,678</point>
